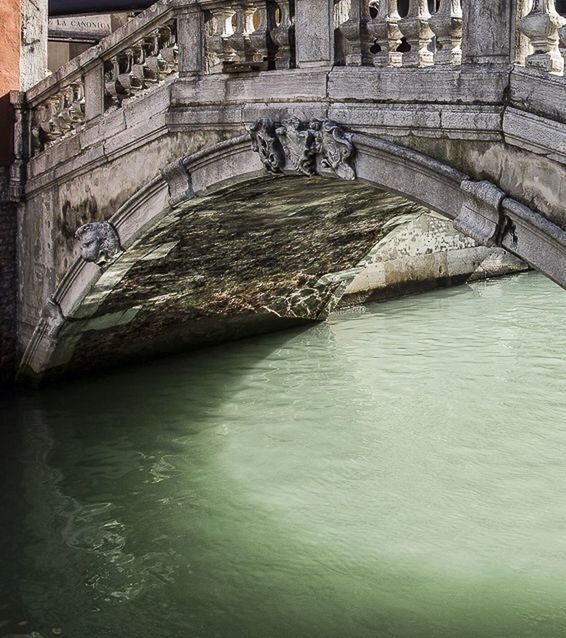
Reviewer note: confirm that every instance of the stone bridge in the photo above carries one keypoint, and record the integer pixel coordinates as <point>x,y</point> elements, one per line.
<point>221,168</point>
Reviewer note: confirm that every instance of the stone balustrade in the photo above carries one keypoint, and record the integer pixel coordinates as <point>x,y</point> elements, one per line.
<point>145,62</point>
<point>373,32</point>
<point>148,61</point>
<point>61,112</point>
<point>195,38</point>
<point>249,35</point>
<point>139,56</point>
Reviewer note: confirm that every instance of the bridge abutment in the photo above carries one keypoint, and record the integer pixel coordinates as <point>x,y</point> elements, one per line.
<point>423,252</point>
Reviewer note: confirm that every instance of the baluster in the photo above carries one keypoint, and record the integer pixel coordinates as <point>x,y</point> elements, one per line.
<point>415,27</point>
<point>217,39</point>
<point>385,30</point>
<point>111,72</point>
<point>77,105</point>
<point>541,28</point>
<point>49,122</point>
<point>236,41</point>
<point>128,82</point>
<point>522,46</point>
<point>355,33</point>
<point>39,116</point>
<point>60,118</point>
<point>446,24</point>
<point>139,73</point>
<point>256,14</point>
<point>168,50</point>
<point>153,63</point>
<point>282,35</point>
<point>64,116</point>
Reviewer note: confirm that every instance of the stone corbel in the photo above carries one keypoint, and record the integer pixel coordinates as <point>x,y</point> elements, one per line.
<point>481,216</point>
<point>179,182</point>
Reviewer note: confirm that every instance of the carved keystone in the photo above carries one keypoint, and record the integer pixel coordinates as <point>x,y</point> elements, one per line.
<point>481,216</point>
<point>320,147</point>
<point>99,242</point>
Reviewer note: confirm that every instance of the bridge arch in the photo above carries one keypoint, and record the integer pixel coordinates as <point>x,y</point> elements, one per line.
<point>188,185</point>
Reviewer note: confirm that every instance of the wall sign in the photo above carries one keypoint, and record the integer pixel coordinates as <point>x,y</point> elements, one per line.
<point>80,28</point>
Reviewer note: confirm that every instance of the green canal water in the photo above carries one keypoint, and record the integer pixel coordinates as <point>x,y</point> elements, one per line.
<point>399,471</point>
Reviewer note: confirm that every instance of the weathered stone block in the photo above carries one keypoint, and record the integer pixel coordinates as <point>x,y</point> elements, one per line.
<point>314,33</point>
<point>481,215</point>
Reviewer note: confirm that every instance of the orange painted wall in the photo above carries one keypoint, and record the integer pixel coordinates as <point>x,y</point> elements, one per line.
<point>9,72</point>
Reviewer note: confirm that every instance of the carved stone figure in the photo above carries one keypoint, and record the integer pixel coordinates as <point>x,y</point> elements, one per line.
<point>267,144</point>
<point>299,144</point>
<point>99,242</point>
<point>334,147</point>
<point>319,147</point>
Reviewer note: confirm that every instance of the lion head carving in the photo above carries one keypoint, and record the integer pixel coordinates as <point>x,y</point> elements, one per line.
<point>99,242</point>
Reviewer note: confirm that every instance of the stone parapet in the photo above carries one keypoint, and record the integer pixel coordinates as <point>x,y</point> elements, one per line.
<point>189,39</point>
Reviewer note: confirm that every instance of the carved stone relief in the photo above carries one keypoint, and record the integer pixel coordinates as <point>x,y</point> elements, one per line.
<point>319,147</point>
<point>267,144</point>
<point>99,242</point>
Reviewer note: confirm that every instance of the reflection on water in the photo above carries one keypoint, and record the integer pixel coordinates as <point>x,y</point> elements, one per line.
<point>397,471</point>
